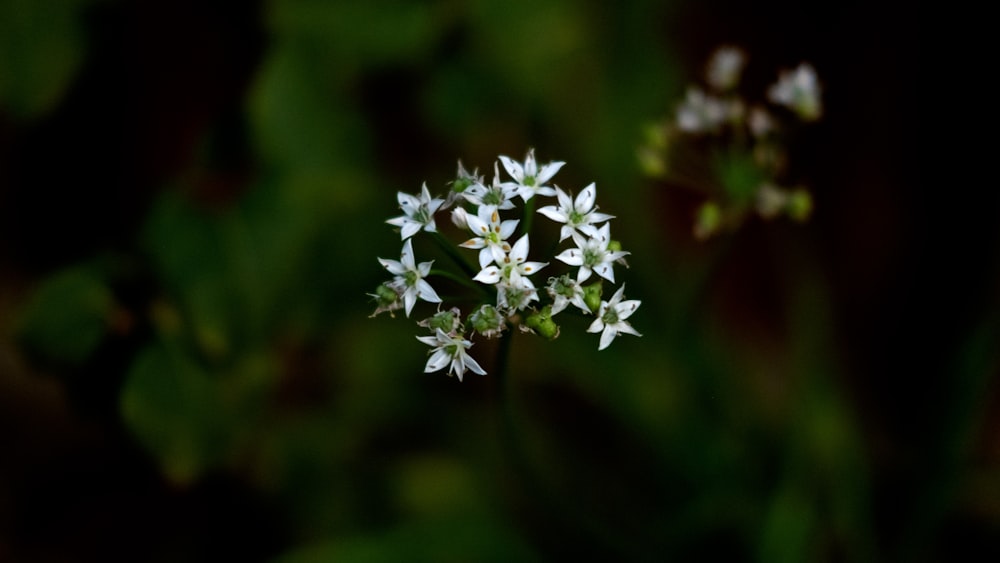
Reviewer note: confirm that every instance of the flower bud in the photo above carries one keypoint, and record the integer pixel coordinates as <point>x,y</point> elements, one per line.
<point>448,321</point>
<point>487,321</point>
<point>386,300</point>
<point>460,218</point>
<point>542,324</point>
<point>708,220</point>
<point>799,205</point>
<point>592,296</point>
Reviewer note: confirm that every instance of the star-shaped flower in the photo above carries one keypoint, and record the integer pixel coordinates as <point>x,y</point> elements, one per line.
<point>577,215</point>
<point>530,181</point>
<point>418,213</point>
<point>450,351</point>
<point>499,194</point>
<point>610,321</point>
<point>409,281</point>
<point>513,268</point>
<point>492,234</point>
<point>593,255</point>
<point>565,290</point>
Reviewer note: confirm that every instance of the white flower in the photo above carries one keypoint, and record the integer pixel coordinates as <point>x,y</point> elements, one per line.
<point>798,90</point>
<point>409,281</point>
<point>578,215</point>
<point>593,255</point>
<point>611,317</point>
<point>724,68</point>
<point>513,268</point>
<point>418,213</point>
<point>530,180</point>
<point>450,351</point>
<point>493,234</point>
<point>515,297</point>
<point>760,122</point>
<point>499,194</point>
<point>464,180</point>
<point>700,112</point>
<point>565,290</point>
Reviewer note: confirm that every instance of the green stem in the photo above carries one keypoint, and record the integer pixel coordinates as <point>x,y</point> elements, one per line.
<point>459,279</point>
<point>529,215</point>
<point>454,254</point>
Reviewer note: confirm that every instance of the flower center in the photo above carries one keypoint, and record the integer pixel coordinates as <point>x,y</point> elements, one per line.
<point>610,316</point>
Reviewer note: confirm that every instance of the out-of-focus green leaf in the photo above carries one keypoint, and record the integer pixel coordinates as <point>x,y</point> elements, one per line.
<point>463,538</point>
<point>188,418</point>
<point>67,317</point>
<point>787,529</point>
<point>41,49</point>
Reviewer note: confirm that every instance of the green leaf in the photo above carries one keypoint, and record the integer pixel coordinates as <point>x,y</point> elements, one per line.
<point>41,51</point>
<point>67,317</point>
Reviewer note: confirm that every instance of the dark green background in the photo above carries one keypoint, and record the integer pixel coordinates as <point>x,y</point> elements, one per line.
<point>192,200</point>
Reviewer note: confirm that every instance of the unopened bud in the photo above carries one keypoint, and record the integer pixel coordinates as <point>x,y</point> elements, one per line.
<point>592,296</point>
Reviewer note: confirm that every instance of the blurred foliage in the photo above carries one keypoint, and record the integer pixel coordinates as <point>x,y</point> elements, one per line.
<point>724,433</point>
<point>42,46</point>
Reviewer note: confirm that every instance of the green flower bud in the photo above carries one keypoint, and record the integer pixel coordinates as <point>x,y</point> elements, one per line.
<point>614,245</point>
<point>542,324</point>
<point>386,300</point>
<point>487,321</point>
<point>592,296</point>
<point>708,220</point>
<point>800,205</point>
<point>445,320</point>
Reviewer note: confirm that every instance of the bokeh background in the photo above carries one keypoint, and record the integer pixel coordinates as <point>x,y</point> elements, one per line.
<point>192,199</point>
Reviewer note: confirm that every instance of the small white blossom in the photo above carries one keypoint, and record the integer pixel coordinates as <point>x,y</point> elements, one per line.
<point>512,297</point>
<point>418,213</point>
<point>701,112</point>
<point>499,194</point>
<point>760,122</point>
<point>593,255</point>
<point>799,90</point>
<point>576,215</point>
<point>565,290</point>
<point>610,321</point>
<point>464,180</point>
<point>409,281</point>
<point>725,67</point>
<point>513,268</point>
<point>492,234</point>
<point>530,180</point>
<point>450,351</point>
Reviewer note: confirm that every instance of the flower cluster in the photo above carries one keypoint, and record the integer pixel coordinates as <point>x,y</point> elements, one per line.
<point>732,151</point>
<point>504,278</point>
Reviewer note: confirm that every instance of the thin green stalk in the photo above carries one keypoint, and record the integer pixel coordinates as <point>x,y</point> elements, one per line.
<point>454,254</point>
<point>467,282</point>
<point>529,215</point>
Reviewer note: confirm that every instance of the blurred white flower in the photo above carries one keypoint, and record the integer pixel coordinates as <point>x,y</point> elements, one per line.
<point>799,90</point>
<point>700,112</point>
<point>725,67</point>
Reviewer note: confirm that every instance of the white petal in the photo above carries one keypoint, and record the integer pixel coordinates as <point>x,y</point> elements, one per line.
<point>519,253</point>
<point>596,326</point>
<point>545,190</point>
<point>547,172</point>
<point>473,365</point>
<point>393,266</point>
<point>607,336</point>
<point>424,268</point>
<point>478,226</point>
<point>438,360</point>
<point>513,168</point>
<point>474,243</point>
<point>488,255</point>
<point>571,256</point>
<point>507,228</point>
<point>585,201</point>
<point>613,302</point>
<point>565,232</point>
<point>426,292</point>
<point>407,200</point>
<point>409,298</point>
<point>623,327</point>
<point>564,200</point>
<point>407,257</point>
<point>488,275</point>
<point>410,228</point>
<point>606,271</point>
<point>531,267</point>
<point>626,308</point>
<point>429,340</point>
<point>554,213</point>
<point>583,275</point>
<point>496,253</point>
